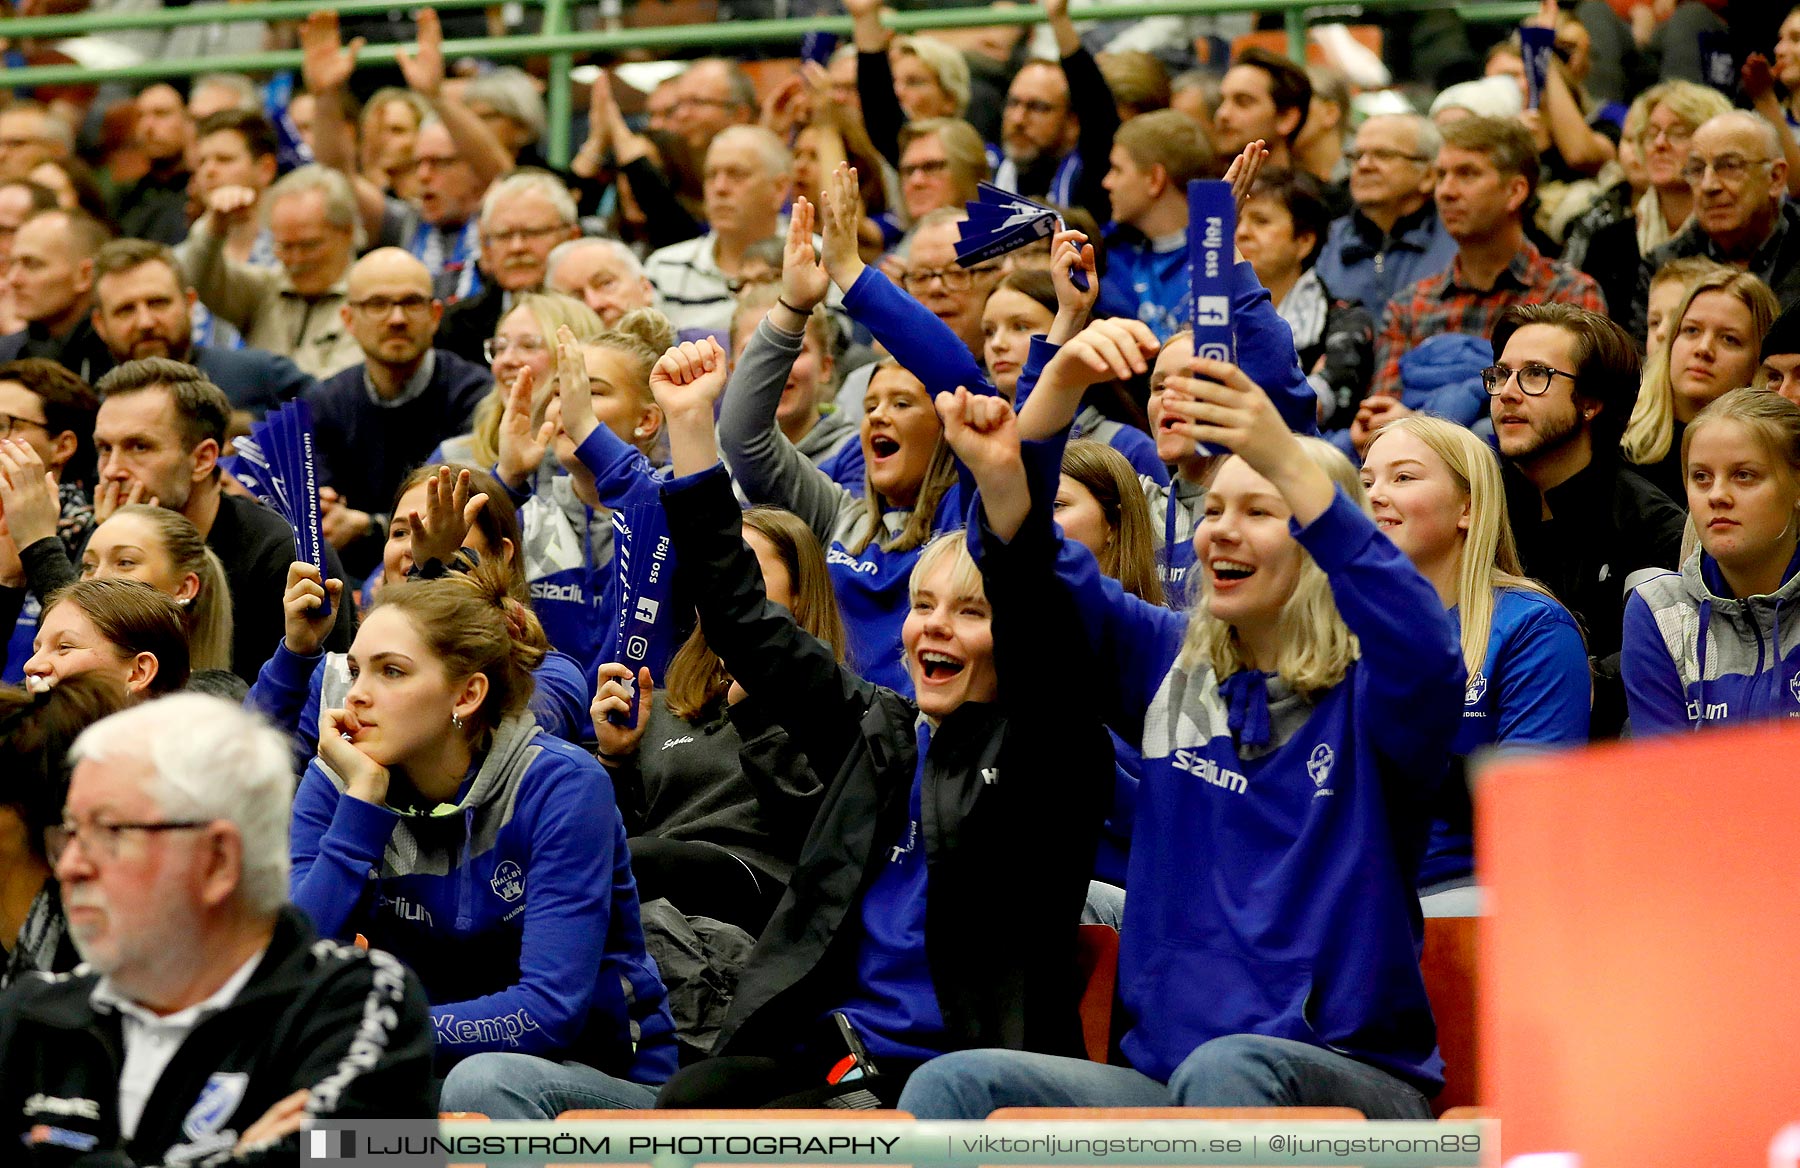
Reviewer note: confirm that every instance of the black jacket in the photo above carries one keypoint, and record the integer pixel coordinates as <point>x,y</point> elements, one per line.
<point>1014,794</point>
<point>1606,524</point>
<point>472,320</point>
<point>80,350</point>
<point>1776,263</point>
<point>351,1026</point>
<point>256,545</point>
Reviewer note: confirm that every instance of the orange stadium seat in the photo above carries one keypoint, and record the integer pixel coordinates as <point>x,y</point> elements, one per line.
<point>1449,968</point>
<point>1097,951</point>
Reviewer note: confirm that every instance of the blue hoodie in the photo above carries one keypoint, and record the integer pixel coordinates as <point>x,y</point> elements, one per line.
<point>1531,688</point>
<point>1146,280</point>
<point>1272,886</point>
<point>1695,655</point>
<point>518,910</point>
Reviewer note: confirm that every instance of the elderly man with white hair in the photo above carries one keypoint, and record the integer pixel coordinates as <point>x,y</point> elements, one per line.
<point>208,1018</point>
<point>1738,176</point>
<point>748,173</point>
<point>523,217</point>
<point>604,274</point>
<point>293,311</point>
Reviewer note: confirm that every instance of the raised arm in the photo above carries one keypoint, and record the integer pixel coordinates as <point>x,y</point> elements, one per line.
<point>232,291</point>
<point>882,115</point>
<point>1114,349</point>
<point>423,69</point>
<point>762,460</point>
<point>326,67</point>
<point>819,702</point>
<point>622,473</point>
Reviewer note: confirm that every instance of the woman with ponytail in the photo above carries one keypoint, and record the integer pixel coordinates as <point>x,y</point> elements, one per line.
<point>1436,493</point>
<point>443,516</point>
<point>161,548</point>
<point>439,822</point>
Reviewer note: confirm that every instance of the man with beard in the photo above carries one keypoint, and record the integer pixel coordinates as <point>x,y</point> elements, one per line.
<point>208,1022</point>
<point>1587,527</point>
<point>157,440</point>
<point>1054,153</point>
<point>375,421</point>
<point>143,307</point>
<point>523,217</point>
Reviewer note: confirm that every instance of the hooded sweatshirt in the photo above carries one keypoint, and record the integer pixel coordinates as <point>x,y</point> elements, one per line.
<point>1694,654</point>
<point>516,907</point>
<point>1278,834</point>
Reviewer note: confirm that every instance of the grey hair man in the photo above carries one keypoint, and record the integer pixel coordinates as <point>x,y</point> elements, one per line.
<point>312,217</point>
<point>748,173</point>
<point>604,274</point>
<point>203,990</point>
<point>523,217</point>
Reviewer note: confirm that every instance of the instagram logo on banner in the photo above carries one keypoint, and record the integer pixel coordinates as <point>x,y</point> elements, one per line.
<point>1215,352</point>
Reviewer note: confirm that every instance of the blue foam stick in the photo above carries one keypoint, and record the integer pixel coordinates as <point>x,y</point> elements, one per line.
<point>818,46</point>
<point>1212,228</point>
<point>975,249</point>
<point>307,520</point>
<point>644,564</point>
<point>1536,45</point>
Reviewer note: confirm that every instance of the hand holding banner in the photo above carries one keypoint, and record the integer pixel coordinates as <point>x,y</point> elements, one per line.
<point>1000,223</point>
<point>1536,46</point>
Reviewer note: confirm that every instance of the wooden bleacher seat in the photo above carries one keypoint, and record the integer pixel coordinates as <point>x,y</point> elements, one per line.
<point>1449,968</point>
<point>1097,952</point>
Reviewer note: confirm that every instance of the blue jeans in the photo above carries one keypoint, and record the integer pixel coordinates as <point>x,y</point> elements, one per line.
<point>1239,1070</point>
<point>523,1086</point>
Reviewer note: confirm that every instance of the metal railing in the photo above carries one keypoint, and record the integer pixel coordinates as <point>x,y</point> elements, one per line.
<point>561,44</point>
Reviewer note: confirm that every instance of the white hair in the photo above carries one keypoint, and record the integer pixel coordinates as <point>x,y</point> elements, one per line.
<point>246,91</point>
<point>777,160</point>
<point>634,268</point>
<point>211,759</point>
<point>521,181</point>
<point>340,196</point>
<point>511,93</point>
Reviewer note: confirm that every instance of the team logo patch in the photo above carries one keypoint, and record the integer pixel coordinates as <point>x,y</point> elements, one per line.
<point>218,1101</point>
<point>1794,686</point>
<point>1477,689</point>
<point>509,881</point>
<point>1319,764</point>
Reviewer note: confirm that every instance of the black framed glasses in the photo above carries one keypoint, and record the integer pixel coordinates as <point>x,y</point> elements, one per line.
<point>381,306</point>
<point>1534,378</point>
<point>10,423</point>
<point>100,840</point>
<point>955,279</point>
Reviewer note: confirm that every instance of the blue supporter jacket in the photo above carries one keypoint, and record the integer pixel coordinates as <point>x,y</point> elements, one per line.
<point>1144,283</point>
<point>517,910</point>
<point>1695,655</point>
<point>1531,689</point>
<point>1272,887</point>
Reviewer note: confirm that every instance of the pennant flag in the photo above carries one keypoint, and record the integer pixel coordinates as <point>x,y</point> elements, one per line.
<point>278,464</point>
<point>1536,45</point>
<point>1000,223</point>
<point>644,581</point>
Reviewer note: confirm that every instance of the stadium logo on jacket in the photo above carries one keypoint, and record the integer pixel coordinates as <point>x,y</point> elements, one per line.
<point>1477,689</point>
<point>508,882</point>
<point>1319,765</point>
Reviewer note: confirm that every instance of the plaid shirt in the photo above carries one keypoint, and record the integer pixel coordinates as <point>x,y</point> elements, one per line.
<point>1443,304</point>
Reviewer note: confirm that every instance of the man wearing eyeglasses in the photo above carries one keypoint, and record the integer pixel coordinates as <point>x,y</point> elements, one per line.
<point>712,94</point>
<point>209,1021</point>
<point>523,217</point>
<point>1738,176</point>
<point>1559,394</point>
<point>1392,238</point>
<point>375,421</point>
<point>1058,125</point>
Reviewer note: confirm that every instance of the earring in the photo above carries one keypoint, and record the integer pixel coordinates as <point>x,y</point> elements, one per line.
<point>639,431</point>
<point>456,721</point>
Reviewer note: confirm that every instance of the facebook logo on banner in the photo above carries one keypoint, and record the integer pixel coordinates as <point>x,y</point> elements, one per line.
<point>646,609</point>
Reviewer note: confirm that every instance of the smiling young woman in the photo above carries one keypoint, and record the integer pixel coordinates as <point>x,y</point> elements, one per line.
<point>1707,646</point>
